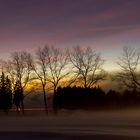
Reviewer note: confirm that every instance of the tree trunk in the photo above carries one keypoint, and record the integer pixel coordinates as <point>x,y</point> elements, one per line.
<point>45,100</point>
<point>85,83</point>
<point>55,103</point>
<point>22,106</point>
<point>17,107</point>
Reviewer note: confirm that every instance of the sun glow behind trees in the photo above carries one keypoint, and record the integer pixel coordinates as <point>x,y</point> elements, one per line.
<point>68,75</point>
<point>51,68</point>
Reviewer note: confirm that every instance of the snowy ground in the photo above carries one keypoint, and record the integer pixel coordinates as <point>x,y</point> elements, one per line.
<point>69,125</point>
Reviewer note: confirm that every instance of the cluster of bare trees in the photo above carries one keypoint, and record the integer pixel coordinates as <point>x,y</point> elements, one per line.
<point>55,67</point>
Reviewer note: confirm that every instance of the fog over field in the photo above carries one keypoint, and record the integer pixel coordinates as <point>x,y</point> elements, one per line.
<point>117,125</point>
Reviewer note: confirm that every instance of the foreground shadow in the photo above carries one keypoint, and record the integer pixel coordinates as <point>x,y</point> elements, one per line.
<point>58,136</point>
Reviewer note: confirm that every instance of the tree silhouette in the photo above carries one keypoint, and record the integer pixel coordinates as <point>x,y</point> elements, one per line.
<point>87,66</point>
<point>19,70</point>
<point>40,68</point>
<point>80,98</point>
<point>8,93</point>
<point>57,66</point>
<point>57,69</point>
<point>18,96</point>
<point>5,93</point>
<point>129,75</point>
<point>50,67</point>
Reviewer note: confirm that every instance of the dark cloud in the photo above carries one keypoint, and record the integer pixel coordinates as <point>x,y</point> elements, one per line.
<point>66,21</point>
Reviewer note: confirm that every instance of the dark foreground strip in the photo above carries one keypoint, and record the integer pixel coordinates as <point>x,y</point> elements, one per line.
<point>57,136</point>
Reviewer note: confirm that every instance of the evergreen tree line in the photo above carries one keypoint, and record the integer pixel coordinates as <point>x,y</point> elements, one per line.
<point>9,95</point>
<point>94,98</point>
<point>5,93</point>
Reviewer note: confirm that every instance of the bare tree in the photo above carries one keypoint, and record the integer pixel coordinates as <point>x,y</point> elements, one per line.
<point>87,66</point>
<point>129,62</point>
<point>51,67</point>
<point>19,70</point>
<point>40,68</point>
<point>57,66</point>
<point>58,70</point>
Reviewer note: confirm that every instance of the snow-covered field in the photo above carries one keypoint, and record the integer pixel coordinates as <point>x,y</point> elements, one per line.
<point>69,125</point>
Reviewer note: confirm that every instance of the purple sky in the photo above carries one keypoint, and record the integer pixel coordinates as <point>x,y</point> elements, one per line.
<point>106,25</point>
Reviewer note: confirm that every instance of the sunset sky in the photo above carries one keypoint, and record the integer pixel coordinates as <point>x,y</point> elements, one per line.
<point>105,25</point>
